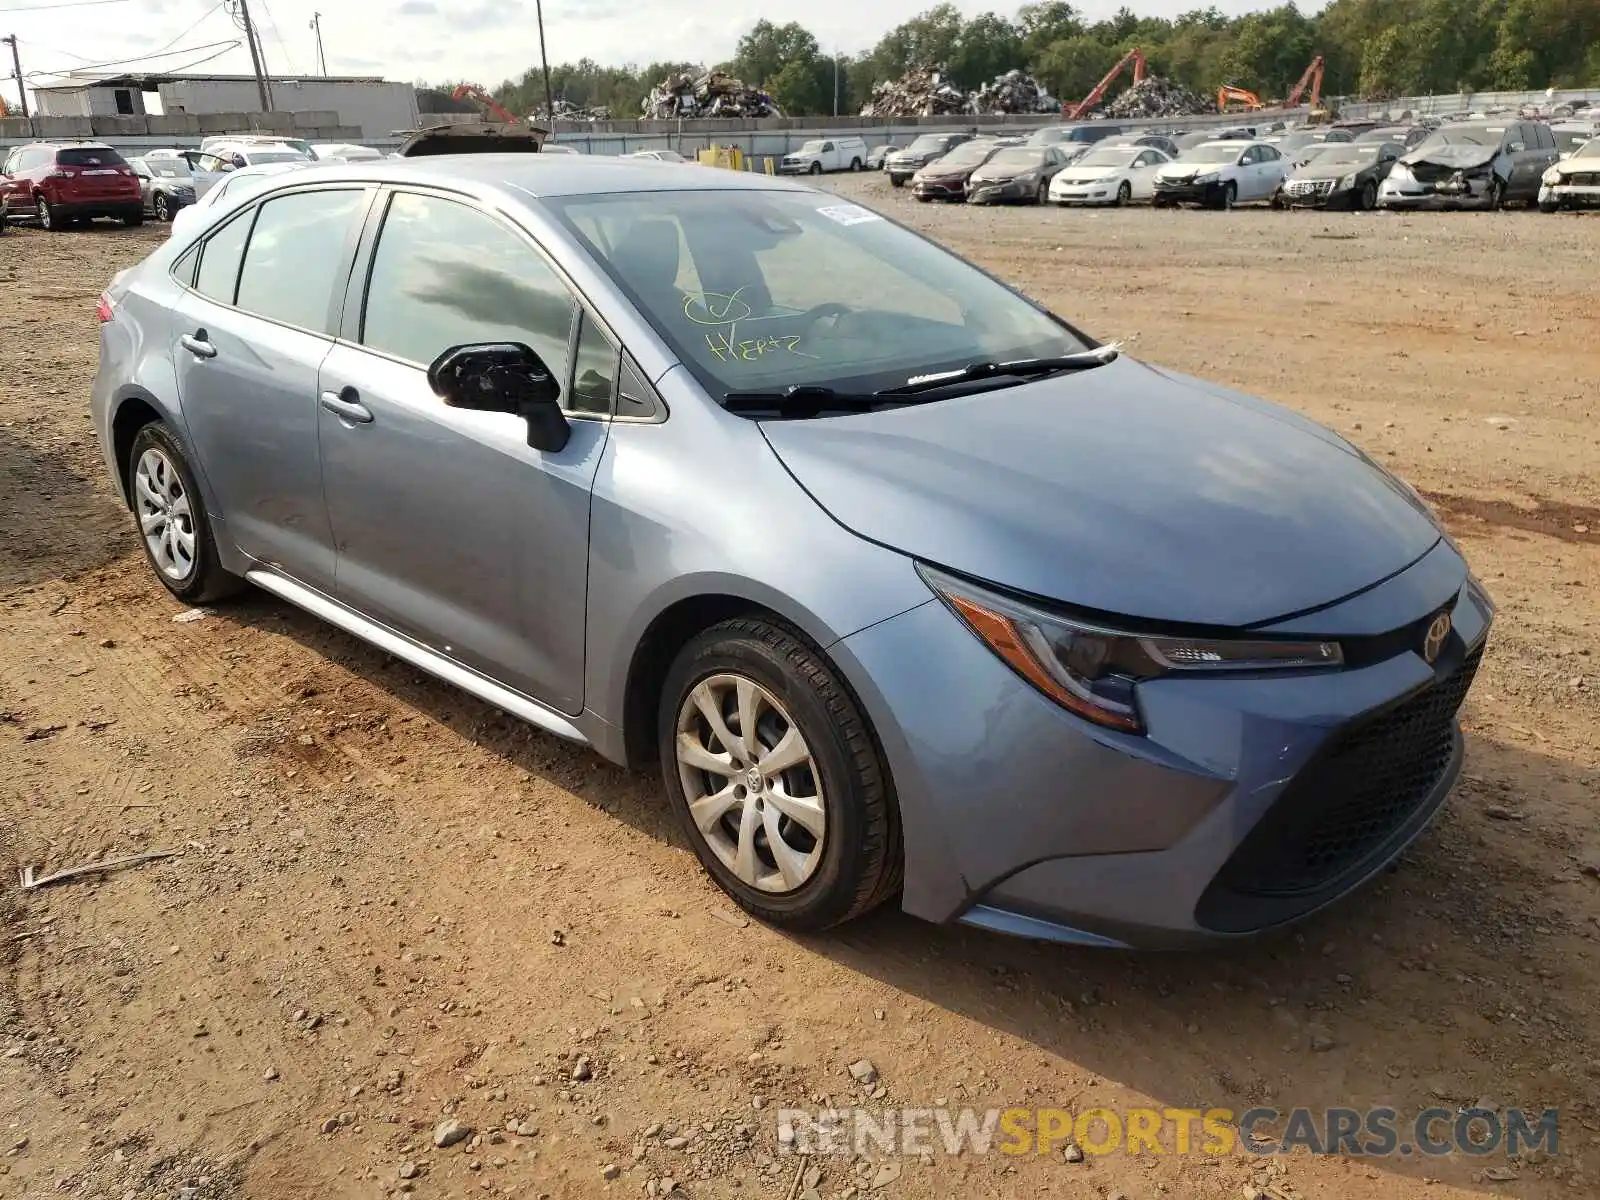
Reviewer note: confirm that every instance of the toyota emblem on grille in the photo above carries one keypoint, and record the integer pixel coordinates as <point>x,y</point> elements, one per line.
<point>1433,640</point>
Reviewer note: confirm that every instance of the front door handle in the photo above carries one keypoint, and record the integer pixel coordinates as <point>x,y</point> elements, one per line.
<point>197,344</point>
<point>347,406</point>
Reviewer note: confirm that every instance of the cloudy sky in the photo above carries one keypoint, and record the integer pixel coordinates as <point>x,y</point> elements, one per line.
<point>482,40</point>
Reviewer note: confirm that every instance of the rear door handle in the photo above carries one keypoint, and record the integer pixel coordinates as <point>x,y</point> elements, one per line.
<point>347,406</point>
<point>197,345</point>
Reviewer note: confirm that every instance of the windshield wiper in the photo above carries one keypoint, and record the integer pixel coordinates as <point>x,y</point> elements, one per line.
<point>1022,368</point>
<point>801,399</point>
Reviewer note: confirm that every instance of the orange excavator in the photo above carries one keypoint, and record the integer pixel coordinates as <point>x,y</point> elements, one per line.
<point>483,98</point>
<point>1134,56</point>
<point>1313,77</point>
<point>1228,94</point>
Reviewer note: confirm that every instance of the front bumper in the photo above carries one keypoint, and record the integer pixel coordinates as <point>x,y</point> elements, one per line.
<point>1251,803</point>
<point>1084,193</point>
<point>940,189</point>
<point>1570,195</point>
<point>1446,194</point>
<point>1188,193</point>
<point>985,192</point>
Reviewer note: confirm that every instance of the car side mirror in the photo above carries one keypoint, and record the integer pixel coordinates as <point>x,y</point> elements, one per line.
<point>504,377</point>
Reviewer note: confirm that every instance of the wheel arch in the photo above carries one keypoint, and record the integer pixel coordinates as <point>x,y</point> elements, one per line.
<point>134,409</point>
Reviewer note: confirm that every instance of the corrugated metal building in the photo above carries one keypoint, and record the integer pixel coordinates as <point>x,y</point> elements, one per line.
<point>374,105</point>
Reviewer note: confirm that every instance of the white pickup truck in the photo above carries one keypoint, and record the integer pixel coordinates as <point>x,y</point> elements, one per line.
<point>826,154</point>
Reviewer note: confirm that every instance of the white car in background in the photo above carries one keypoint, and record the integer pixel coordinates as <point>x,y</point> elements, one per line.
<point>1221,174</point>
<point>344,152</point>
<point>661,156</point>
<point>1109,175</point>
<point>556,148</point>
<point>826,154</point>
<point>231,186</point>
<point>1574,181</point>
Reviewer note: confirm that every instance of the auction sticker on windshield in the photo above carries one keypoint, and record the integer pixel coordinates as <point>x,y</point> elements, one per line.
<point>848,214</point>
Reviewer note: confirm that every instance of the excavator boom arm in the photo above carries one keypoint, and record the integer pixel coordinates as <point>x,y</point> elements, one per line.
<point>1313,76</point>
<point>1134,56</point>
<point>483,98</point>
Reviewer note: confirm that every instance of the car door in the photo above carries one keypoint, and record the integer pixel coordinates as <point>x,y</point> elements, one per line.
<point>8,190</point>
<point>250,334</point>
<point>1142,174</point>
<point>449,527</point>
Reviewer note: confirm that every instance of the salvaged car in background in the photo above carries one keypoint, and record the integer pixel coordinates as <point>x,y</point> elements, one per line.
<point>903,164</point>
<point>1016,174</point>
<point>1109,175</point>
<point>1346,175</point>
<point>1574,181</point>
<point>1473,164</point>
<point>166,183</point>
<point>946,178</point>
<point>1220,175</point>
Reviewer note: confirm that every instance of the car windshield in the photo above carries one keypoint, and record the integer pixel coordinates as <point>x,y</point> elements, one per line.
<point>811,147</point>
<point>1211,154</point>
<point>1349,152</point>
<point>926,144</point>
<point>1465,135</point>
<point>83,157</point>
<point>1589,149</point>
<point>1111,156</point>
<point>1316,150</point>
<point>1582,145</point>
<point>1292,141</point>
<point>1047,137</point>
<point>766,290</point>
<point>1017,158</point>
<point>968,154</point>
<point>167,168</point>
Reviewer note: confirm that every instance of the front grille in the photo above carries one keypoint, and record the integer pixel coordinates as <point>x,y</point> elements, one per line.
<point>1173,184</point>
<point>1344,806</point>
<point>1308,187</point>
<point>1432,172</point>
<point>1582,179</point>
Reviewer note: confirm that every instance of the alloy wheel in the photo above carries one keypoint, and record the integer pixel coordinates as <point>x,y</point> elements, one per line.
<point>46,217</point>
<point>166,518</point>
<point>752,785</point>
<point>162,211</point>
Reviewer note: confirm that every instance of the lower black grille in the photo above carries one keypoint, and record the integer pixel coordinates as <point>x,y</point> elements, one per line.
<point>1345,805</point>
<point>1583,179</point>
<point>1431,172</point>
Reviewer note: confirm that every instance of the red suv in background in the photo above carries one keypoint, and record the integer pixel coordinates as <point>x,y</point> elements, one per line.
<point>64,182</point>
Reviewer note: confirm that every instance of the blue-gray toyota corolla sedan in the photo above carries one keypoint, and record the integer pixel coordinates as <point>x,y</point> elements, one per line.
<point>911,588</point>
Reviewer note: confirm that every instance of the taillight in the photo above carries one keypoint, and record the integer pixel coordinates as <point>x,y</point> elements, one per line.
<point>61,173</point>
<point>102,309</point>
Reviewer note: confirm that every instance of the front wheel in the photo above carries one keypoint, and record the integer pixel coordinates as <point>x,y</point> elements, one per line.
<point>1549,206</point>
<point>1230,195</point>
<point>775,777</point>
<point>896,181</point>
<point>1124,194</point>
<point>163,207</point>
<point>1497,194</point>
<point>173,526</point>
<point>1369,196</point>
<point>816,168</point>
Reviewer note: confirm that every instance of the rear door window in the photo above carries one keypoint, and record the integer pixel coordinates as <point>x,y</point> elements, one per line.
<point>297,252</point>
<point>219,260</point>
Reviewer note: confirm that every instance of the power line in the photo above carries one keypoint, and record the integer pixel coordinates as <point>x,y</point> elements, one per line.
<point>34,42</point>
<point>122,62</point>
<point>282,45</point>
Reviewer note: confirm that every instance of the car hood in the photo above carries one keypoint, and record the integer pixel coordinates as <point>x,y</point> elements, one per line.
<point>1577,166</point>
<point>1187,170</point>
<point>1001,174</point>
<point>1459,157</point>
<point>1087,174</point>
<point>1124,489</point>
<point>937,170</point>
<point>919,158</point>
<point>1321,170</point>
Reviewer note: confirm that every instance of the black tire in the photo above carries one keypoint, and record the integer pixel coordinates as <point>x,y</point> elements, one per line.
<point>923,199</point>
<point>855,164</point>
<point>896,181</point>
<point>1369,195</point>
<point>1160,202</point>
<point>816,168</point>
<point>1549,206</point>
<point>860,859</point>
<point>1124,194</point>
<point>1497,194</point>
<point>1042,194</point>
<point>133,220</point>
<point>1228,196</point>
<point>207,580</point>
<point>163,207</point>
<point>49,219</point>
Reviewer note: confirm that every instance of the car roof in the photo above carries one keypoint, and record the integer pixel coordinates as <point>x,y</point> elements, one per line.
<point>541,175</point>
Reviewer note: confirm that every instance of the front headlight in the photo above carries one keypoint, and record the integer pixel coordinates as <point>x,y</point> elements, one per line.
<point>1092,670</point>
<point>1552,177</point>
<point>1400,173</point>
<point>1347,183</point>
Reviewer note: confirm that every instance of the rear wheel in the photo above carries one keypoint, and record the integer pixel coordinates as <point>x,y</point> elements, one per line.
<point>133,220</point>
<point>173,526</point>
<point>855,164</point>
<point>49,219</point>
<point>775,777</point>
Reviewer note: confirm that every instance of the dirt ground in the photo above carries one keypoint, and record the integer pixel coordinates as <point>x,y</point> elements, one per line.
<point>395,907</point>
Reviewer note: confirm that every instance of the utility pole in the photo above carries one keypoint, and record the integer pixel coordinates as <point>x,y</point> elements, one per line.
<point>16,62</point>
<point>316,26</point>
<point>544,62</point>
<point>256,57</point>
<point>836,83</point>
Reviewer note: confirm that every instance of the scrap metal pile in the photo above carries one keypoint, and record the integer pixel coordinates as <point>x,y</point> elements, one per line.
<point>917,93</point>
<point>1013,92</point>
<point>568,111</point>
<point>1157,96</point>
<point>713,94</point>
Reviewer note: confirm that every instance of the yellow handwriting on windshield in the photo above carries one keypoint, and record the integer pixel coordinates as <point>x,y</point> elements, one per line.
<point>716,308</point>
<point>750,349</point>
